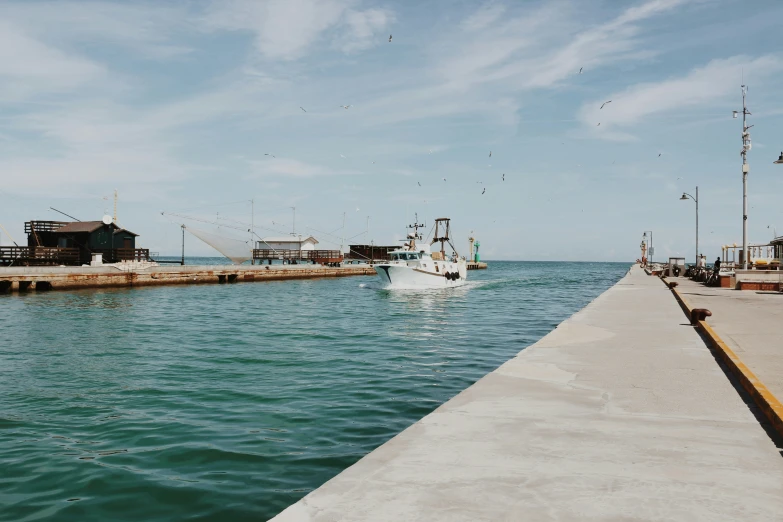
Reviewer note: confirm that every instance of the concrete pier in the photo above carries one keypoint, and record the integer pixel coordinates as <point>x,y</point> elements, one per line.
<point>745,327</point>
<point>21,279</point>
<point>621,413</point>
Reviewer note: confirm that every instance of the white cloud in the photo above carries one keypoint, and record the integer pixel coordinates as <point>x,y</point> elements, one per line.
<point>142,28</point>
<point>29,67</point>
<point>701,87</point>
<point>292,168</point>
<point>287,29</point>
<point>364,29</point>
<point>497,54</point>
<point>483,17</point>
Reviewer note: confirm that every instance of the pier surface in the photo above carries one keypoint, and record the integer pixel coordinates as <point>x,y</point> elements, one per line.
<point>621,413</point>
<point>19,279</point>
<point>749,322</point>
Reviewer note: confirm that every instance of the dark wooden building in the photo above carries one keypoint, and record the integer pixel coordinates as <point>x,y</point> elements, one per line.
<point>73,243</point>
<point>370,252</point>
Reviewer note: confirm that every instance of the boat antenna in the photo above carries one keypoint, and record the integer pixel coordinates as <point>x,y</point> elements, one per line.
<point>413,237</point>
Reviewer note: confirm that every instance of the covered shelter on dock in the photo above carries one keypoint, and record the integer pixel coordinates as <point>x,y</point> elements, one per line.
<point>293,249</point>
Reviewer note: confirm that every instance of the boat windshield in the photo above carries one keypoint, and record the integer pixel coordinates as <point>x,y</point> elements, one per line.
<point>405,256</point>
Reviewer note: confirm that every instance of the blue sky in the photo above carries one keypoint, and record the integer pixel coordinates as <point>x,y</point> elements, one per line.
<point>175,104</point>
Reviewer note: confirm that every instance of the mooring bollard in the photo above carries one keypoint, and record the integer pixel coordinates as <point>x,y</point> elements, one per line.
<point>699,314</point>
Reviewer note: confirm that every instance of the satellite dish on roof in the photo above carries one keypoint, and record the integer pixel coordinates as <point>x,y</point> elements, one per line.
<point>107,219</point>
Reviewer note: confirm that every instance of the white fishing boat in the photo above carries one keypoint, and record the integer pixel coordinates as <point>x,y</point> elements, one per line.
<point>414,265</point>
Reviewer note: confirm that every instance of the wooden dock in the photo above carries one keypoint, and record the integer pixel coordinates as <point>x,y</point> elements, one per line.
<point>22,279</point>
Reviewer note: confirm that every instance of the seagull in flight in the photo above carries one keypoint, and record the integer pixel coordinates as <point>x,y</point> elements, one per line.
<point>343,157</point>
<point>390,37</point>
<point>346,107</point>
<point>659,154</point>
<point>357,209</point>
<point>303,109</point>
<point>483,191</point>
<point>504,177</point>
<point>490,154</point>
<point>599,124</point>
<point>444,179</point>
<point>580,70</point>
<point>267,154</point>
<point>419,182</point>
<point>604,103</point>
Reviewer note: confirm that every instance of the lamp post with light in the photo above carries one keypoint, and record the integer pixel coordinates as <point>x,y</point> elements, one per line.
<point>685,197</point>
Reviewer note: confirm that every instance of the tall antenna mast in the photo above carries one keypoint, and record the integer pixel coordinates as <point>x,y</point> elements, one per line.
<point>746,146</point>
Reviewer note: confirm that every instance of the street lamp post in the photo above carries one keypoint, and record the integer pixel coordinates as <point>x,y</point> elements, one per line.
<point>650,250</point>
<point>685,197</point>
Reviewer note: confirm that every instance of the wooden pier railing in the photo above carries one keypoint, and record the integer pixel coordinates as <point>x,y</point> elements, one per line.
<point>318,256</point>
<point>36,255</point>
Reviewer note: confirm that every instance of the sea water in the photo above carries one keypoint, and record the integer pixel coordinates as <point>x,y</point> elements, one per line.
<point>230,402</point>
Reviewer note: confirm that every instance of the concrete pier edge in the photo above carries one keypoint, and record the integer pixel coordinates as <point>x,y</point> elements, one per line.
<point>766,402</point>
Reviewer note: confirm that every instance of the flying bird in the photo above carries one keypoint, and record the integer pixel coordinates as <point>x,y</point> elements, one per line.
<point>266,154</point>
<point>483,191</point>
<point>430,151</point>
<point>419,183</point>
<point>604,103</point>
<point>490,154</point>
<point>390,37</point>
<point>303,109</point>
<point>343,157</point>
<point>357,209</point>
<point>346,107</point>
<point>659,154</point>
<point>444,179</point>
<point>580,70</point>
<point>599,124</point>
<point>504,177</point>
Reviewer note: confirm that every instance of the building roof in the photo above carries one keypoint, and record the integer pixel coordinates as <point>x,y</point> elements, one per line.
<point>125,231</point>
<point>290,239</point>
<point>78,227</point>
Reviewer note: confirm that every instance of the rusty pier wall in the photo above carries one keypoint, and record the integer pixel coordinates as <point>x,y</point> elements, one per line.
<point>21,279</point>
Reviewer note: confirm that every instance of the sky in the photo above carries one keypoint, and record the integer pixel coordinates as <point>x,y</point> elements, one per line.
<point>196,108</point>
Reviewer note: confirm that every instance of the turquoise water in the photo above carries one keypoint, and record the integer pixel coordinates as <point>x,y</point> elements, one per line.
<point>230,402</point>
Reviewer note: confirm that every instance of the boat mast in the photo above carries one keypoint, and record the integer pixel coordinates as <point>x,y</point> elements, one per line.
<point>413,237</point>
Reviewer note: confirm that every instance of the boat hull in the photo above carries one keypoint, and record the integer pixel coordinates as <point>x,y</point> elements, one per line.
<point>400,276</point>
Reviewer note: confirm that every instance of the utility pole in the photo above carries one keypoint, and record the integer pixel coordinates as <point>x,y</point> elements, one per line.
<point>252,230</point>
<point>293,226</point>
<point>746,146</point>
<point>183,245</point>
<point>342,239</point>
